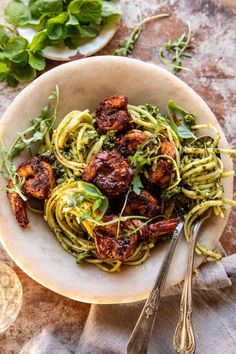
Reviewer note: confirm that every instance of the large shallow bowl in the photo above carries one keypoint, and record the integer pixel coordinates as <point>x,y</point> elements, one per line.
<point>83,84</point>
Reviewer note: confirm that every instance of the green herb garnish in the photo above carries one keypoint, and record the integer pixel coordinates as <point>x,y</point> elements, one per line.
<point>56,22</point>
<point>136,184</point>
<point>127,46</point>
<point>40,126</point>
<point>177,49</point>
<point>181,121</point>
<point>145,155</point>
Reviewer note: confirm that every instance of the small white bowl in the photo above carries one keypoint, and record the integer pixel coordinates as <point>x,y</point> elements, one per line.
<point>83,83</point>
<point>89,47</point>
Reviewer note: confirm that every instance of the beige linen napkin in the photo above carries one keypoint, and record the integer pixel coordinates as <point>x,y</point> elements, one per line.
<point>108,327</point>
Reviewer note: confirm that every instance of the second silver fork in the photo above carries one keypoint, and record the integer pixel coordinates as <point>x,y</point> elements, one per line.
<point>184,339</point>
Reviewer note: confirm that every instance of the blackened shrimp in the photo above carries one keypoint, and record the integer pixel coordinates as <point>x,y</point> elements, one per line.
<point>18,206</point>
<point>110,172</point>
<point>163,170</point>
<point>39,181</point>
<point>108,245</point>
<point>121,248</point>
<point>144,204</point>
<point>128,143</point>
<point>155,229</point>
<point>112,114</point>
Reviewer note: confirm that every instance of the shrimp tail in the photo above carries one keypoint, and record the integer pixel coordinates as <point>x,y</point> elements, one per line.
<point>18,206</point>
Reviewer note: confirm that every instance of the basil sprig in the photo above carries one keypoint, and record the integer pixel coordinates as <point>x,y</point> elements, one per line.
<point>55,21</point>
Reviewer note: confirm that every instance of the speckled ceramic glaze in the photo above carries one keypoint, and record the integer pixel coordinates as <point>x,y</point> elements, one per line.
<point>82,85</point>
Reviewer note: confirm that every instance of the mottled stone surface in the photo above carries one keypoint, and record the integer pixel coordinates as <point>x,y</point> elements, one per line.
<point>212,75</point>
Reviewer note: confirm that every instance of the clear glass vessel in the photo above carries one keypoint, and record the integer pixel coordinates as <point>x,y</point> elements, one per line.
<point>10,296</point>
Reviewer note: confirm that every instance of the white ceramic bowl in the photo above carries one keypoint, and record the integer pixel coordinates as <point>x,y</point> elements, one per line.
<point>85,49</point>
<point>83,84</point>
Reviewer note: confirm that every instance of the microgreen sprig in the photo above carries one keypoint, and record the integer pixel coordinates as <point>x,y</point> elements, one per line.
<point>134,230</point>
<point>177,48</point>
<point>126,47</point>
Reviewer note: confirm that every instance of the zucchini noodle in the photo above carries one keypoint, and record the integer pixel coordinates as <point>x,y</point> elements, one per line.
<point>201,173</point>
<point>72,212</point>
<point>70,140</point>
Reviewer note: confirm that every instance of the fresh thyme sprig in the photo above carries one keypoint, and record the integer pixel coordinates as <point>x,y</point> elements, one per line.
<point>127,46</point>
<point>40,127</point>
<point>178,48</point>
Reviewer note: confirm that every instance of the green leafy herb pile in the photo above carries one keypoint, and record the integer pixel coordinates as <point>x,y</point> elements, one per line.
<point>55,21</point>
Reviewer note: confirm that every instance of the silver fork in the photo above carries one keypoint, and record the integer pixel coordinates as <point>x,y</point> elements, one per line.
<point>184,340</point>
<point>139,339</point>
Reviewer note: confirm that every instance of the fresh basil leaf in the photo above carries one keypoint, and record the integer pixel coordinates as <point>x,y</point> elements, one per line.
<point>3,36</point>
<point>177,111</point>
<point>34,22</point>
<point>90,190</point>
<point>15,45</point>
<point>3,71</point>
<point>39,42</point>
<point>184,132</point>
<point>55,27</point>
<point>12,81</point>
<point>20,57</point>
<point>72,21</point>
<point>137,185</point>
<point>71,43</point>
<point>110,9</point>
<point>86,10</point>
<point>87,32</point>
<point>3,76</point>
<point>22,73</point>
<point>96,205</point>
<point>57,32</point>
<point>17,13</point>
<point>103,207</point>
<point>37,61</point>
<point>3,68</point>
<point>181,120</point>
<point>59,19</point>
<point>39,7</point>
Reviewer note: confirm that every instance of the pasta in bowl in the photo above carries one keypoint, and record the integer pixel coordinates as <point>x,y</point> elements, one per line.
<point>120,174</point>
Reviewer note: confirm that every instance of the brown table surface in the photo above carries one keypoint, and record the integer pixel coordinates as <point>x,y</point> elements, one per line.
<point>213,73</point>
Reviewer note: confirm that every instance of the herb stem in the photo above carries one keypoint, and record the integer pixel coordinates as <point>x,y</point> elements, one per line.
<point>126,47</point>
<point>121,213</point>
<point>179,47</point>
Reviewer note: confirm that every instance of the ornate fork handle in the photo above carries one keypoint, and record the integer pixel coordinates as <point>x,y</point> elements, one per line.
<point>184,340</point>
<point>139,339</point>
